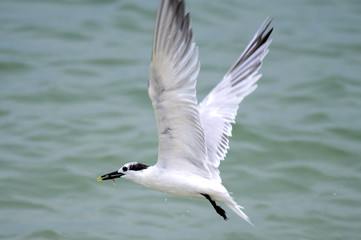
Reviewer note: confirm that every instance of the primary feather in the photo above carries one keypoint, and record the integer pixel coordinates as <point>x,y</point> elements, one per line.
<point>219,108</point>
<point>172,88</point>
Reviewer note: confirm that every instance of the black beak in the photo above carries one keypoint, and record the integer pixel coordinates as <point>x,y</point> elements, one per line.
<point>111,175</point>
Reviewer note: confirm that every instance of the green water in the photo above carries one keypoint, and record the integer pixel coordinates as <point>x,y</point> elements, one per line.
<point>73,106</point>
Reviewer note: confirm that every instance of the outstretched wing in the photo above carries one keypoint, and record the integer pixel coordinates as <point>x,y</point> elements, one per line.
<point>172,88</point>
<point>219,108</point>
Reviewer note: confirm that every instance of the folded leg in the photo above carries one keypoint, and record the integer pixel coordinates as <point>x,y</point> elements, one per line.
<point>218,209</point>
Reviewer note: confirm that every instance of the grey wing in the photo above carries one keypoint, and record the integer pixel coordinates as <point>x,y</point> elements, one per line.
<point>172,88</point>
<point>219,108</point>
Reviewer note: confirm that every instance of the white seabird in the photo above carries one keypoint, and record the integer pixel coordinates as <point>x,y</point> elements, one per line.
<point>193,138</point>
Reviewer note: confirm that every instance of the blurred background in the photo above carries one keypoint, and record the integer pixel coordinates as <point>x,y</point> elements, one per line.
<point>74,106</point>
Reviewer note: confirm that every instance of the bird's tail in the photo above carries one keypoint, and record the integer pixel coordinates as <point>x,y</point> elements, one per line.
<point>238,210</point>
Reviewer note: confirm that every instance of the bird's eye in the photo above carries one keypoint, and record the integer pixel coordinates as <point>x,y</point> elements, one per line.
<point>125,169</point>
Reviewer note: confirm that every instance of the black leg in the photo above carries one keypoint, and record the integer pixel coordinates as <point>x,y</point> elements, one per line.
<point>218,209</point>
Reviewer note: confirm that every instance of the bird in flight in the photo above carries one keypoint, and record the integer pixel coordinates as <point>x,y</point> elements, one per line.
<point>193,138</point>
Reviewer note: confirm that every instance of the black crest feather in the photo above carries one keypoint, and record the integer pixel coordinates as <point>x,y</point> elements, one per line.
<point>138,166</point>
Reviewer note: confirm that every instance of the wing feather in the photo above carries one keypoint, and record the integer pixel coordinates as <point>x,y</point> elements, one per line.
<point>172,89</point>
<point>219,108</point>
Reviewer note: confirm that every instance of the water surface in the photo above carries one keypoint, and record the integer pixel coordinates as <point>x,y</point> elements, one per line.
<point>73,106</point>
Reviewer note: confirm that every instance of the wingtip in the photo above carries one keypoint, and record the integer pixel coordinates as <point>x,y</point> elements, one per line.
<point>250,222</point>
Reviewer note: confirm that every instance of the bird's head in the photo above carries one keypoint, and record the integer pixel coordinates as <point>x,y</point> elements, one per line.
<point>127,171</point>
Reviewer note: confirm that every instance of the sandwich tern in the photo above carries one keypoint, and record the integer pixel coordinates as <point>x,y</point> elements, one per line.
<point>193,138</point>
